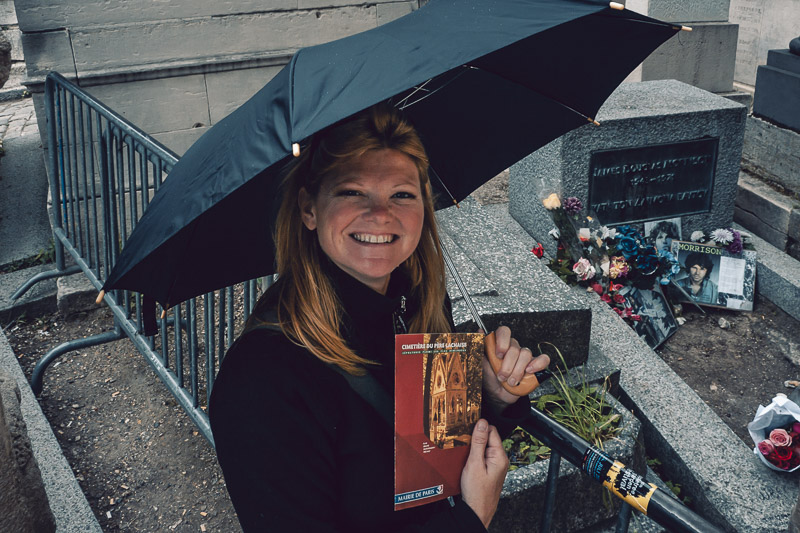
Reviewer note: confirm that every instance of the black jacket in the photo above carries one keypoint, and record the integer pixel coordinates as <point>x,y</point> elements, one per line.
<point>299,448</point>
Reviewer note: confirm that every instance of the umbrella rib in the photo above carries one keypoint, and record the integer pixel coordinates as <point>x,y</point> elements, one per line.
<point>559,102</point>
<point>403,104</point>
<point>442,183</point>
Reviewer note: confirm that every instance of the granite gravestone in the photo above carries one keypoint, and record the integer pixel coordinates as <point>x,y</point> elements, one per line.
<point>777,95</point>
<point>664,149</point>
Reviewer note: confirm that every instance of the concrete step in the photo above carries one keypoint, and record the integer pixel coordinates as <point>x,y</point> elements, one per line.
<point>39,300</point>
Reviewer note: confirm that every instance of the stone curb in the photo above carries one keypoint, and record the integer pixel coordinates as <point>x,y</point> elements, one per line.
<point>68,503</point>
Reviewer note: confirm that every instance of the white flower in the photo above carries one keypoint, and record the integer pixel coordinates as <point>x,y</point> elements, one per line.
<point>605,266</point>
<point>697,236</point>
<point>584,234</point>
<point>583,269</point>
<point>554,233</point>
<point>607,233</point>
<point>722,236</point>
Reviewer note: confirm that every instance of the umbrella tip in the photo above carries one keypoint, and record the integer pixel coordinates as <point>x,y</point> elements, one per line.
<point>616,5</point>
<point>163,314</point>
<point>100,297</point>
<point>296,149</point>
<point>455,202</point>
<point>593,121</point>
<point>684,28</point>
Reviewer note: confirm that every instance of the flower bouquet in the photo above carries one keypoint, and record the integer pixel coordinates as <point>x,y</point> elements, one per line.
<point>775,430</point>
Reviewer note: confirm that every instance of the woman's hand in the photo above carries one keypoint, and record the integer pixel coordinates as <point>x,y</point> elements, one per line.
<point>483,475</point>
<point>517,362</point>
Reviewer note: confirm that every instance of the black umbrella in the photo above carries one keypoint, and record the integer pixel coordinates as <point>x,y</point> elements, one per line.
<point>485,82</point>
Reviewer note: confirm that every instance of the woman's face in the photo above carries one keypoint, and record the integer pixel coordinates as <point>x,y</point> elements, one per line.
<point>369,216</point>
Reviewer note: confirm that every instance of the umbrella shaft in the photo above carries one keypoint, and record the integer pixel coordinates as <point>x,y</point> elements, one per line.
<point>470,304</point>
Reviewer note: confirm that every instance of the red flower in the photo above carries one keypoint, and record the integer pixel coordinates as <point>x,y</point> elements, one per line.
<point>636,318</point>
<point>606,298</point>
<point>783,453</point>
<point>597,288</point>
<point>618,298</point>
<point>538,250</point>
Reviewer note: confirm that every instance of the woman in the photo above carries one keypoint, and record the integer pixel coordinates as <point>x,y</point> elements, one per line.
<point>358,261</point>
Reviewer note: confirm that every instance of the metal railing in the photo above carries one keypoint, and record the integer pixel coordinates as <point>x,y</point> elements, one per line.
<point>103,172</point>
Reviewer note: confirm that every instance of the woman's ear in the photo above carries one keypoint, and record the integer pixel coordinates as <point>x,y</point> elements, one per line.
<point>307,211</point>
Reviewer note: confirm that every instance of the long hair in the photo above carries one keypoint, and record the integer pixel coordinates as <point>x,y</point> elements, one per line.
<point>309,312</point>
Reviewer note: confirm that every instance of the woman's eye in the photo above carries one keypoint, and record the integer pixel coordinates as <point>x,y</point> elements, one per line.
<point>405,195</point>
<point>348,192</point>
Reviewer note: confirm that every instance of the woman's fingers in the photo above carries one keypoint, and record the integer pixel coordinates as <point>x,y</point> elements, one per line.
<point>483,475</point>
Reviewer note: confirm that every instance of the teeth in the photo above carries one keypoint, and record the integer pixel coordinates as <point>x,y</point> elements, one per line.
<point>373,239</point>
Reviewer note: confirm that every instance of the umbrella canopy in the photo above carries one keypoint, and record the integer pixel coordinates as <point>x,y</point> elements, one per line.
<point>485,83</point>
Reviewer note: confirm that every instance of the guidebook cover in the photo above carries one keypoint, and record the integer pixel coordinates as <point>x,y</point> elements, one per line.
<point>437,403</point>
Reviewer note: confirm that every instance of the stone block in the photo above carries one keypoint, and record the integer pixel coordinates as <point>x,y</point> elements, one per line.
<point>637,114</point>
<point>158,106</point>
<point>15,36</point>
<point>48,51</point>
<point>8,15</point>
<point>704,57</point>
<point>101,50</point>
<point>23,500</point>
<point>777,96</point>
<point>763,26</point>
<point>524,293</point>
<point>75,294</point>
<point>24,225</point>
<point>682,10</point>
<point>39,300</point>
<point>390,11</point>
<point>37,15</point>
<point>179,141</point>
<point>523,496</point>
<point>763,211</point>
<point>772,152</point>
<point>228,90</point>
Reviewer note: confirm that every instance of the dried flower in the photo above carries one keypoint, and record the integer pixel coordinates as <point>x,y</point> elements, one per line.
<point>572,205</point>
<point>736,246</point>
<point>538,250</point>
<point>618,268</point>
<point>697,236</point>
<point>722,236</point>
<point>551,202</point>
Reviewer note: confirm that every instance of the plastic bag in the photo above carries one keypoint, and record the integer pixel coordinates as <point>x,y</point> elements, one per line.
<point>778,414</point>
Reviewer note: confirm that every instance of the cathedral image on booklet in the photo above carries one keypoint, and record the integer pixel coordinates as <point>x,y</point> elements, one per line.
<point>448,413</point>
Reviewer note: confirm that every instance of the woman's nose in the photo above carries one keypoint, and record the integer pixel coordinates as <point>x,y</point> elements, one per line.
<point>379,209</point>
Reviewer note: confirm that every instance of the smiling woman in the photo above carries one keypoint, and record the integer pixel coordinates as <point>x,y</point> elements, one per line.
<point>358,261</point>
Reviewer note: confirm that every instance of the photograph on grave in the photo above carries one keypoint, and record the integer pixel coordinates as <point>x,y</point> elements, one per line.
<point>661,233</point>
<point>656,322</point>
<point>714,276</point>
<point>654,182</point>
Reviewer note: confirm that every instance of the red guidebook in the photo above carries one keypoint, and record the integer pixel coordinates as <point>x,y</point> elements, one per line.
<point>437,403</point>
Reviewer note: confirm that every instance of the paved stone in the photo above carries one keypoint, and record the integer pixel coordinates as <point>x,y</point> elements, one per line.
<point>17,118</point>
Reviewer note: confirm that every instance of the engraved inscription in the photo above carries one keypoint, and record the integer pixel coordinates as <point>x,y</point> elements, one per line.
<point>652,182</point>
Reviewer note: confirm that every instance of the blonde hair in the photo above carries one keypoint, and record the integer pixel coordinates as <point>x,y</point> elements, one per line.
<point>309,312</point>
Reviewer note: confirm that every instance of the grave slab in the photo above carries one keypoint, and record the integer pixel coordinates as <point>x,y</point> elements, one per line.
<point>658,114</point>
<point>772,152</point>
<point>763,211</point>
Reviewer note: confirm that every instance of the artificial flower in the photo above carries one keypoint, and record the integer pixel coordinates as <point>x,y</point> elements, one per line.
<point>551,202</point>
<point>779,437</point>
<point>596,287</point>
<point>647,260</point>
<point>572,205</point>
<point>607,233</point>
<point>736,246</point>
<point>796,427</point>
<point>766,447</point>
<point>619,267</point>
<point>697,236</point>
<point>722,236</point>
<point>584,234</point>
<point>554,233</point>
<point>628,246</point>
<point>583,269</point>
<point>605,266</point>
<point>538,250</point>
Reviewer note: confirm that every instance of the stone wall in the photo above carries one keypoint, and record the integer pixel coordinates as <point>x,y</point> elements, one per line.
<point>176,68</point>
<point>10,30</point>
<point>763,26</point>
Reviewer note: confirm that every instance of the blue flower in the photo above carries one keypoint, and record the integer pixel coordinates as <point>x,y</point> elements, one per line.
<point>628,246</point>
<point>647,261</point>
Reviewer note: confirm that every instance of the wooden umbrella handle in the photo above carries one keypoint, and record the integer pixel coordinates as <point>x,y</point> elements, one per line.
<point>528,383</point>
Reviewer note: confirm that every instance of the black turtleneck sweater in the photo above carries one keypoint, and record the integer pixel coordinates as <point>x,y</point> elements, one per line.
<point>299,448</point>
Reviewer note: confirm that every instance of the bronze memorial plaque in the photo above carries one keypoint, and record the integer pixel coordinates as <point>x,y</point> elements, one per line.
<point>652,182</point>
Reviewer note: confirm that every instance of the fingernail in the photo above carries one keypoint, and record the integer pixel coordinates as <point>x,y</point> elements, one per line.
<point>483,425</point>
<point>501,377</point>
<point>512,381</point>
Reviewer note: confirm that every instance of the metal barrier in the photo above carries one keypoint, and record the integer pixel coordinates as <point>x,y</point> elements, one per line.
<point>103,172</point>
